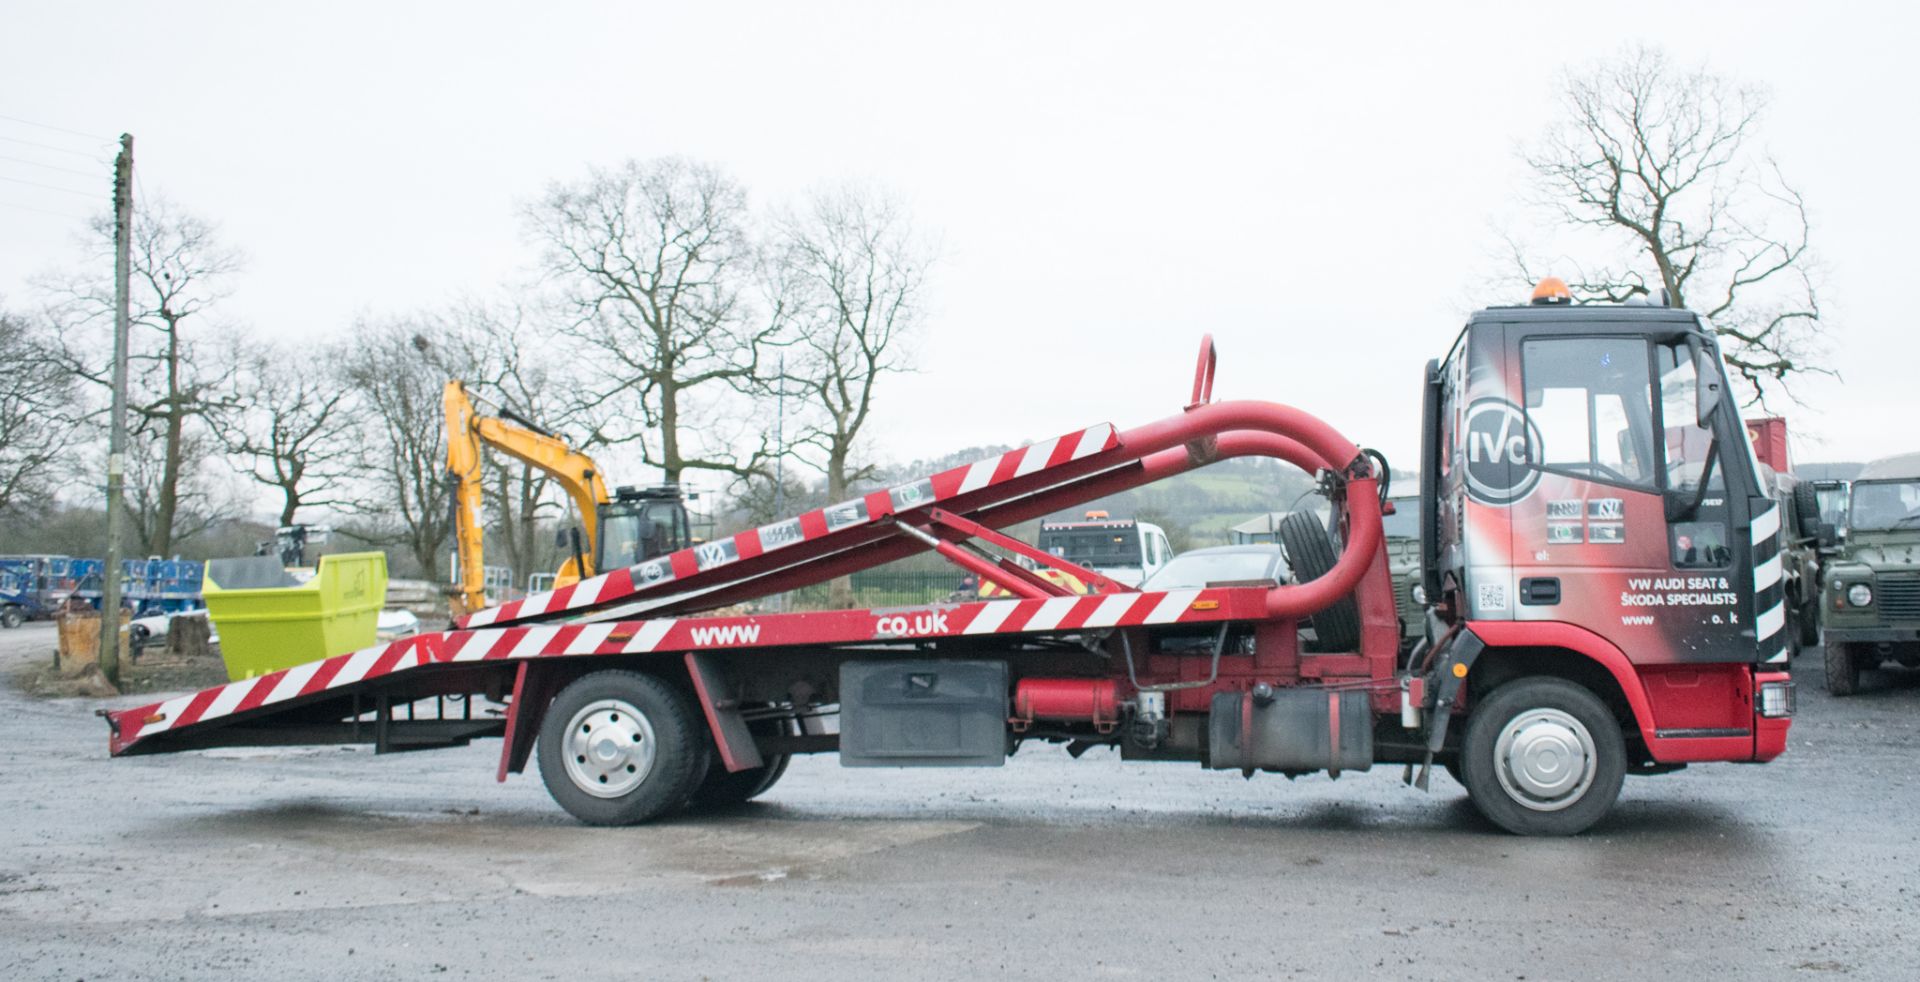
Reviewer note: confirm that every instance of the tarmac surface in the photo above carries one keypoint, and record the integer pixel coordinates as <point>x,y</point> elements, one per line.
<point>334,864</point>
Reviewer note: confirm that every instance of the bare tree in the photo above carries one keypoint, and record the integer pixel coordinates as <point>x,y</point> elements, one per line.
<point>506,360</point>
<point>853,270</point>
<point>658,268</point>
<point>1655,166</point>
<point>179,268</point>
<point>36,414</point>
<point>397,395</point>
<point>293,427</point>
<point>199,504</point>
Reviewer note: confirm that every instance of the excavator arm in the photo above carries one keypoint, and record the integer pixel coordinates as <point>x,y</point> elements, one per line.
<point>467,431</point>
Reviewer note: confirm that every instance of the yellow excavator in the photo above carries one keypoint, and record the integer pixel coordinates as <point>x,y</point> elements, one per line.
<point>630,526</point>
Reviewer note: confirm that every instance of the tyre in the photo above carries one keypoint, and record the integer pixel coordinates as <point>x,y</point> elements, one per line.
<point>621,748</point>
<point>1806,507</point>
<point>1810,624</point>
<point>1843,669</point>
<point>725,789</point>
<point>1543,756</point>
<point>11,618</point>
<point>1310,552</point>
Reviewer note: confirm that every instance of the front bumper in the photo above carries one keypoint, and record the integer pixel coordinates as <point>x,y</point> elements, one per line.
<point>1868,635</point>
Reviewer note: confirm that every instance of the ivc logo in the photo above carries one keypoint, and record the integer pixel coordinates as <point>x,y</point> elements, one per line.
<point>1502,447</point>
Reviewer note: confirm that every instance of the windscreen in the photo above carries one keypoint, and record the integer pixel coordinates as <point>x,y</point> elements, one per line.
<point>1404,523</point>
<point>1833,504</point>
<point>1880,506</point>
<point>631,533</point>
<point>1096,548</point>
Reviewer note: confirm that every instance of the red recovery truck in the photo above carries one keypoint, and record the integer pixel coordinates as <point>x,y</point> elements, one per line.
<point>1602,561</point>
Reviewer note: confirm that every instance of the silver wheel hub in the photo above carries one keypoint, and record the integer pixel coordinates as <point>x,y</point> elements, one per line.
<point>609,748</point>
<point>1545,759</point>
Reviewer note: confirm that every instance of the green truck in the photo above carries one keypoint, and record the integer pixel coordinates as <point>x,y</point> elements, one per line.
<point>1402,528</point>
<point>1870,579</point>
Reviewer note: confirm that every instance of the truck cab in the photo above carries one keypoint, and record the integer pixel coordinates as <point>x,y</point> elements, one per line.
<point>1870,585</point>
<point>1598,516</point>
<point>1122,549</point>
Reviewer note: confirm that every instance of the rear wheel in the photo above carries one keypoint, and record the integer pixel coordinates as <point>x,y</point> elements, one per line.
<point>724,788</point>
<point>1843,669</point>
<point>1310,552</point>
<point>621,748</point>
<point>1810,624</point>
<point>1543,756</point>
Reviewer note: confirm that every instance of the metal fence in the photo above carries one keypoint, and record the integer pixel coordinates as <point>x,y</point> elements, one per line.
<point>882,588</point>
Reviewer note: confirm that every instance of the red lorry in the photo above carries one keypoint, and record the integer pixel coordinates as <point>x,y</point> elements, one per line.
<point>1601,560</point>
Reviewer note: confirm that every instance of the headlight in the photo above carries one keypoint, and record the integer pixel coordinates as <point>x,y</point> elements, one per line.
<point>1859,594</point>
<point>1419,594</point>
<point>1776,699</point>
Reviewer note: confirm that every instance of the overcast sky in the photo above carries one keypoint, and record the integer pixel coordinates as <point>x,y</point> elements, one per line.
<point>1320,190</point>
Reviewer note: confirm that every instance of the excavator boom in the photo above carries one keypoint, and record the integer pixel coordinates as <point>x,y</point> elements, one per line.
<point>467,431</point>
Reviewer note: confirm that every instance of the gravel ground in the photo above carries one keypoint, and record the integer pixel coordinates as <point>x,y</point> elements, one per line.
<point>334,864</point>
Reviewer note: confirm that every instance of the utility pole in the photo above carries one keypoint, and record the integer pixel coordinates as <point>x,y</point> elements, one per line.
<point>117,439</point>
<point>780,441</point>
<point>780,454</point>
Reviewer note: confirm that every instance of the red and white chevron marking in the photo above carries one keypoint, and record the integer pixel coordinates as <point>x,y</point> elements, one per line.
<point>861,512</point>
<point>424,651</point>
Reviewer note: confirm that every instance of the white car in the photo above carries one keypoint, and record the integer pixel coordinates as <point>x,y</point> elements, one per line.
<point>1219,566</point>
<point>143,631</point>
<point>396,624</point>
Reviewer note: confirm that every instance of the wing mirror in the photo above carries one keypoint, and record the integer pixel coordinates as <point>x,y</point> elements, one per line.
<point>1706,374</point>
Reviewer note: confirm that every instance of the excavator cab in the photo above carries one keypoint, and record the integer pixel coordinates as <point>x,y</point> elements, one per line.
<point>639,524</point>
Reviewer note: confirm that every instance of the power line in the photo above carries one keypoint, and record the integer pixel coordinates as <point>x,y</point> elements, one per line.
<point>70,216</point>
<point>50,187</point>
<point>57,129</point>
<point>63,170</point>
<point>49,146</point>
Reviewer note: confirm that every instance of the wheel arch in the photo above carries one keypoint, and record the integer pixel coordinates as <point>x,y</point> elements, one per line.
<point>537,681</point>
<point>1516,649</point>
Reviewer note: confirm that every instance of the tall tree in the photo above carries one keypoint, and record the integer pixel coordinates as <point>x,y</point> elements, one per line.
<point>396,378</point>
<point>36,411</point>
<point>293,427</point>
<point>507,361</point>
<point>659,270</point>
<point>179,273</point>
<point>854,270</point>
<point>1655,167</point>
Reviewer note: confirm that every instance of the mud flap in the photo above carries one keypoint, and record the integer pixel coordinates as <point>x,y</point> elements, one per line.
<point>1449,674</point>
<point>730,734</point>
<point>534,687</point>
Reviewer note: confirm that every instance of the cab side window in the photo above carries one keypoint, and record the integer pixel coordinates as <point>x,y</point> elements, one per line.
<point>1590,407</point>
<point>1687,442</point>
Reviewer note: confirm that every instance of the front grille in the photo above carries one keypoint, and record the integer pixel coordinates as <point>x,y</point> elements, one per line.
<point>1899,599</point>
<point>1403,600</point>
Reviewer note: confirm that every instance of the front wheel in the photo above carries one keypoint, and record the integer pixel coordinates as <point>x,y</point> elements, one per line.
<point>1543,756</point>
<point>1843,669</point>
<point>11,618</point>
<point>621,748</point>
